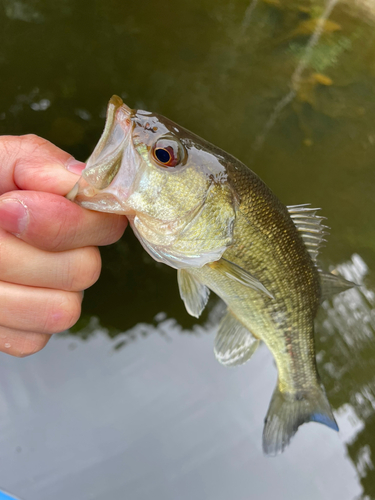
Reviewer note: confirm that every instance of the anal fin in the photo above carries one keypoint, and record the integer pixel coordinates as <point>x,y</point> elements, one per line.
<point>193,293</point>
<point>234,344</point>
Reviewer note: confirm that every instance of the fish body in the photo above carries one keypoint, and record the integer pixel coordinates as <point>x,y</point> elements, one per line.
<point>269,247</point>
<point>203,212</point>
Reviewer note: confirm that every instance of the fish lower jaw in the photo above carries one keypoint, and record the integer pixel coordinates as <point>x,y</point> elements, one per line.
<point>102,202</point>
<point>87,196</point>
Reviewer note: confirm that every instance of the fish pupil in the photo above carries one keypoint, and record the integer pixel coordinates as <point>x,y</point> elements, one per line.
<point>162,155</point>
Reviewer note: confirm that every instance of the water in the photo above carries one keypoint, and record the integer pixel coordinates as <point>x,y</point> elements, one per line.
<point>131,403</point>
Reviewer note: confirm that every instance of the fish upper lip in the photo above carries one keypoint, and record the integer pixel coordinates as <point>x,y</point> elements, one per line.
<point>116,108</point>
<point>117,102</point>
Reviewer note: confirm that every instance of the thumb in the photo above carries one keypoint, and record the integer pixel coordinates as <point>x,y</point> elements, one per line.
<point>30,162</point>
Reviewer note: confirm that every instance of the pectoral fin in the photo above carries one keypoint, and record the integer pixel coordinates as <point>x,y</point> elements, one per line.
<point>193,293</point>
<point>234,344</point>
<point>237,273</point>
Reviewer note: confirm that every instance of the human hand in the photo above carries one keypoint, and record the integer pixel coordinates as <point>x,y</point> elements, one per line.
<point>48,245</point>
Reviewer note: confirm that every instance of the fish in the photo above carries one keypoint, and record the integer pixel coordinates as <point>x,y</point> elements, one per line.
<point>201,211</point>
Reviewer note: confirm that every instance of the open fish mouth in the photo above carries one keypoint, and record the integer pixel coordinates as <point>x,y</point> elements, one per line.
<point>105,184</point>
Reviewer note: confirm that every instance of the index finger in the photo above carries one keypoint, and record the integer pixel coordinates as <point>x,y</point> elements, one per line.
<point>40,171</point>
<point>30,162</point>
<point>51,222</point>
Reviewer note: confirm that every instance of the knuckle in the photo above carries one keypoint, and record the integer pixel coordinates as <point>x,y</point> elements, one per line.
<point>82,269</point>
<point>66,232</point>
<point>9,148</point>
<point>115,227</point>
<point>74,312</point>
<point>30,138</point>
<point>63,313</point>
<point>91,267</point>
<point>4,239</point>
<point>57,236</point>
<point>14,147</point>
<point>32,141</point>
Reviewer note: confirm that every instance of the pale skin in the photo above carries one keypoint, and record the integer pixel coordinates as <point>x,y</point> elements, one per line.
<point>48,245</point>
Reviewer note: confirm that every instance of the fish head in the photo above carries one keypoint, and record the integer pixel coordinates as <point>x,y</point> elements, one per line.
<point>171,184</point>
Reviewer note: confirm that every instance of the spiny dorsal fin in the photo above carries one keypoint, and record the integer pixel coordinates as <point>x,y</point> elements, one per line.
<point>310,227</point>
<point>193,293</point>
<point>332,284</point>
<point>237,273</point>
<point>234,344</point>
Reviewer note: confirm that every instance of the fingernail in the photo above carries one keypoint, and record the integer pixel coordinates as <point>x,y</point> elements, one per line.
<point>75,166</point>
<point>14,216</point>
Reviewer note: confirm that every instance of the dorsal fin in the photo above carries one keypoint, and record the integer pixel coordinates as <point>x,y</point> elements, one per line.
<point>310,227</point>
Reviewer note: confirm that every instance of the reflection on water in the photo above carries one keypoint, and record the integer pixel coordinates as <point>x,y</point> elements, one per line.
<point>347,362</point>
<point>352,313</point>
<point>287,86</point>
<point>297,83</point>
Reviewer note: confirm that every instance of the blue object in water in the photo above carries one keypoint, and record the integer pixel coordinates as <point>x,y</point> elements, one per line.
<point>7,496</point>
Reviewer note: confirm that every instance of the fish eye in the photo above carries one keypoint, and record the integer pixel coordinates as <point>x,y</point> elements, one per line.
<point>164,155</point>
<point>168,152</point>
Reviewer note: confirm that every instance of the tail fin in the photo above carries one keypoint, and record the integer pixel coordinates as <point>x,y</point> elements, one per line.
<point>288,411</point>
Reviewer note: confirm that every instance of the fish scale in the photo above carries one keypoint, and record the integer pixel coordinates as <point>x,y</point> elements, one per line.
<point>198,209</point>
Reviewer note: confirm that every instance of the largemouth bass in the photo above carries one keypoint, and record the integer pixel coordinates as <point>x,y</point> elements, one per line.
<point>200,210</point>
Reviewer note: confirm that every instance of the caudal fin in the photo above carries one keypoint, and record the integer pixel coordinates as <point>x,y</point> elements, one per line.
<point>288,411</point>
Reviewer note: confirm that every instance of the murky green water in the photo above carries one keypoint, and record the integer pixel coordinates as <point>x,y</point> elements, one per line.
<point>248,77</point>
